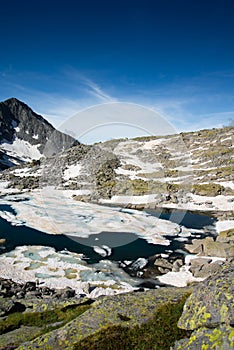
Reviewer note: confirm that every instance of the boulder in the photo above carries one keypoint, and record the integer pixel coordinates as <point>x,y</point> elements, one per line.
<point>204,270</point>
<point>195,247</point>
<point>216,248</point>
<point>226,236</point>
<point>2,241</point>
<point>219,338</point>
<point>223,247</point>
<point>177,264</point>
<point>65,293</point>
<point>164,263</point>
<point>209,313</point>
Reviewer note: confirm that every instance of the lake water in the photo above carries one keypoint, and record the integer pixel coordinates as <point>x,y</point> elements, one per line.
<point>127,246</point>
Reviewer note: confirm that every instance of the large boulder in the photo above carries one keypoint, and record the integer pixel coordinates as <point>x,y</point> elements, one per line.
<point>209,313</point>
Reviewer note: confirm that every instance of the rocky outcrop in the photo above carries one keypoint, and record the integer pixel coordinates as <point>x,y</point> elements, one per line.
<point>209,313</point>
<point>220,246</point>
<point>196,317</point>
<point>133,320</point>
<point>29,310</point>
<point>18,121</point>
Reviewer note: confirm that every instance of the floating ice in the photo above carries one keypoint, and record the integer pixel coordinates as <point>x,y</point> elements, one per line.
<point>55,212</point>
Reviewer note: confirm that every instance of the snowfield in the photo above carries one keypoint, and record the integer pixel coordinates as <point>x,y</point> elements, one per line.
<point>21,149</point>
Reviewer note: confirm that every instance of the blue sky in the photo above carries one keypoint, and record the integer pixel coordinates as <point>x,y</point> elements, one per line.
<point>175,57</point>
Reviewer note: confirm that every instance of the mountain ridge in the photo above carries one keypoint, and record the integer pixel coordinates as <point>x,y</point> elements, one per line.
<point>23,129</point>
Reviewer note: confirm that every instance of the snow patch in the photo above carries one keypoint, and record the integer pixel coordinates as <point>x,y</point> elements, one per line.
<point>21,149</point>
<point>64,269</point>
<point>72,171</point>
<point>224,225</point>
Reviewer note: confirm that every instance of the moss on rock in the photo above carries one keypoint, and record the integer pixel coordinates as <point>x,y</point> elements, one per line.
<point>138,316</point>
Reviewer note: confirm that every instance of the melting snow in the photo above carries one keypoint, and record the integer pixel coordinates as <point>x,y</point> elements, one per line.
<point>61,269</point>
<point>21,149</point>
<point>72,171</point>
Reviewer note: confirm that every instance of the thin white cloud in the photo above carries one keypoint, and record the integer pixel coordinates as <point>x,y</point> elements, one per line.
<point>95,90</point>
<point>187,105</point>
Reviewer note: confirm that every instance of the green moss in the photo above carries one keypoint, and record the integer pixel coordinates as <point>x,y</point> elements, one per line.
<point>210,189</point>
<point>227,233</point>
<point>159,333</point>
<point>41,319</point>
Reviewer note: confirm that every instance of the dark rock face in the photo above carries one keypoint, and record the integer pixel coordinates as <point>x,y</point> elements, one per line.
<point>18,120</point>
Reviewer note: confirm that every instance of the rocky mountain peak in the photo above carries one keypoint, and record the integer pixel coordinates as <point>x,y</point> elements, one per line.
<point>26,135</point>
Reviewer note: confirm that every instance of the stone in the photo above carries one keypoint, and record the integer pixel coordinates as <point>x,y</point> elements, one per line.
<point>13,339</point>
<point>196,247</point>
<point>136,309</point>
<point>30,286</point>
<point>226,236</point>
<point>212,301</point>
<point>206,270</point>
<point>65,293</point>
<point>216,248</point>
<point>2,241</point>
<point>82,198</point>
<point>197,264</point>
<point>219,338</point>
<point>209,312</point>
<point>164,263</point>
<point>177,264</point>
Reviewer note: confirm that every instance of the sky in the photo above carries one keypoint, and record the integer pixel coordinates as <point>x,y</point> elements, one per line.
<point>173,58</point>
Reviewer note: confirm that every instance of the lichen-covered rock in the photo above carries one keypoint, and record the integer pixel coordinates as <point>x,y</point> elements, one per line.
<point>220,338</point>
<point>125,310</point>
<point>209,312</point>
<point>18,336</point>
<point>5,305</point>
<point>212,302</point>
<point>205,270</point>
<point>226,236</point>
<point>223,248</point>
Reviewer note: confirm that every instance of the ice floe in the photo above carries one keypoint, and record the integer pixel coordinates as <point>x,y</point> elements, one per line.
<point>55,212</point>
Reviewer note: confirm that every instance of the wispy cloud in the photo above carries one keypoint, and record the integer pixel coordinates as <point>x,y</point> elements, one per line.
<point>188,104</point>
<point>90,86</point>
<point>95,90</point>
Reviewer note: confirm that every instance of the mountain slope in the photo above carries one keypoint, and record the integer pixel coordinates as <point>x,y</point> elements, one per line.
<point>25,135</point>
<point>188,171</point>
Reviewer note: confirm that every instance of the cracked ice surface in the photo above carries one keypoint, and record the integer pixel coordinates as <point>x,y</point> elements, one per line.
<point>55,212</point>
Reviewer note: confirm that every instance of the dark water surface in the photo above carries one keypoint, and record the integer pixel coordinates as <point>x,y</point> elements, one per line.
<point>125,246</point>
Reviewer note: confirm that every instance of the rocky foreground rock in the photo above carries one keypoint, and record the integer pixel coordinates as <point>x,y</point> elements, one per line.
<point>209,313</point>
<point>191,318</point>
